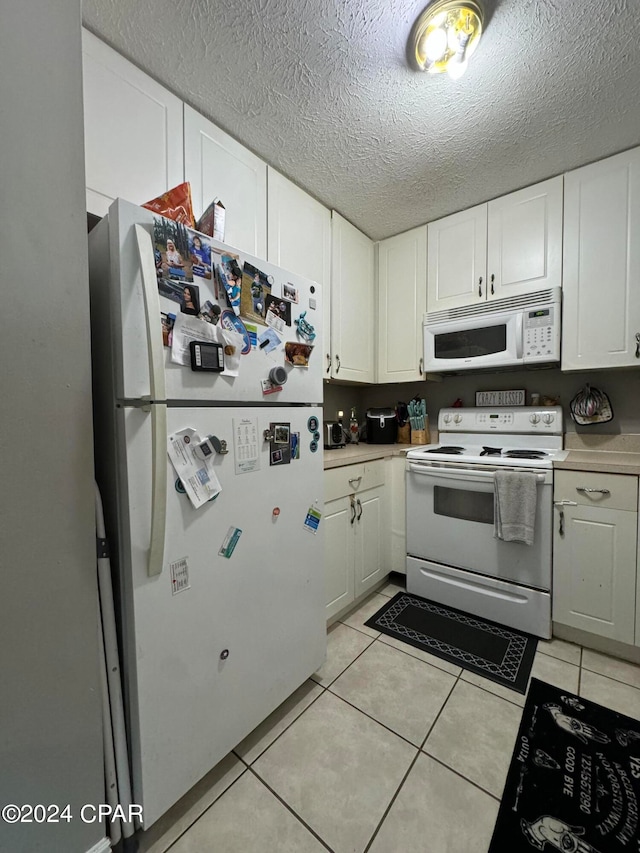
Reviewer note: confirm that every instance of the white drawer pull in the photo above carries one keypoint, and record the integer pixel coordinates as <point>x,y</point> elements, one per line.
<point>593,491</point>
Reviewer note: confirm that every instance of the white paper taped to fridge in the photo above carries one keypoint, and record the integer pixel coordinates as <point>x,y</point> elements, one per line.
<point>187,329</point>
<point>245,445</point>
<point>197,475</point>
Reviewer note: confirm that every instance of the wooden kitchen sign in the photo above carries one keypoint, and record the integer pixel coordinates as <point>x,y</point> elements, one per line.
<point>500,398</point>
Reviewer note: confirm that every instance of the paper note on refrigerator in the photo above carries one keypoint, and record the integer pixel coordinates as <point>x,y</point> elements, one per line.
<point>245,445</point>
<point>197,475</point>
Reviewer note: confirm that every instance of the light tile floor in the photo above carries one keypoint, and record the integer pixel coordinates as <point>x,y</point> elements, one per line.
<point>386,746</point>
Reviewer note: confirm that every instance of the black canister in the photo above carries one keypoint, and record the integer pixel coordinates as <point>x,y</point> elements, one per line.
<point>382,426</point>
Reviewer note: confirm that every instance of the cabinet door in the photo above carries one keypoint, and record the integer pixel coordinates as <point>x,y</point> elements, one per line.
<point>352,302</point>
<point>524,241</point>
<point>457,259</point>
<point>594,570</point>
<point>339,537</point>
<point>299,239</point>
<point>132,130</point>
<point>218,166</point>
<point>601,296</point>
<point>370,563</point>
<point>402,301</point>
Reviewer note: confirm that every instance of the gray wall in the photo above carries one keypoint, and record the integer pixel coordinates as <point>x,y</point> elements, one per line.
<point>50,725</point>
<point>622,386</point>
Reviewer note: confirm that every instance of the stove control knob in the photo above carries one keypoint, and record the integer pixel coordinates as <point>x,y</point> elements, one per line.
<point>447,418</point>
<point>457,419</point>
<point>548,418</point>
<point>535,419</point>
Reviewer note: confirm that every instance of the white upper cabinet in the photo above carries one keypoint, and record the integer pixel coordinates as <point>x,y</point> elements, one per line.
<point>132,127</point>
<point>457,259</point>
<point>402,301</point>
<point>601,299</point>
<point>299,239</point>
<point>510,246</point>
<point>352,303</point>
<point>218,166</point>
<point>524,241</point>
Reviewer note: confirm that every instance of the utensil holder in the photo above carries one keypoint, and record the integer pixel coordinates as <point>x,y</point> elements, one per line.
<point>419,436</point>
<point>404,434</point>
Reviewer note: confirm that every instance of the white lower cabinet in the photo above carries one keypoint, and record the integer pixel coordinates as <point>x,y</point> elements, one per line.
<point>356,532</point>
<point>595,553</point>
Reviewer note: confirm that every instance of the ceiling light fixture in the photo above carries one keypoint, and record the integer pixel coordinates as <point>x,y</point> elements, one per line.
<point>445,35</point>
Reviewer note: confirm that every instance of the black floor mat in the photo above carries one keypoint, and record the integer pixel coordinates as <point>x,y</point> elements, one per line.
<point>501,654</point>
<point>574,778</point>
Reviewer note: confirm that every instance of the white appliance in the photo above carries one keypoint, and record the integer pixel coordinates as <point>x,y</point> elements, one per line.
<point>203,666</point>
<point>453,556</point>
<point>512,332</point>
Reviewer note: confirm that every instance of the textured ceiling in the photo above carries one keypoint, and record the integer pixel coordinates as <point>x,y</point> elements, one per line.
<point>321,90</point>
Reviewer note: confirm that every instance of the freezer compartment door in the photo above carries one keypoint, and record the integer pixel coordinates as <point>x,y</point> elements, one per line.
<point>167,293</point>
<point>205,665</point>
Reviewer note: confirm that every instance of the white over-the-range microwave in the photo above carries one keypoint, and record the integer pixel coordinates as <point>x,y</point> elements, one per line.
<point>517,331</point>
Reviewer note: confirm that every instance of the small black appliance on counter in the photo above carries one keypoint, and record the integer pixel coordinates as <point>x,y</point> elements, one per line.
<point>333,435</point>
<point>382,426</point>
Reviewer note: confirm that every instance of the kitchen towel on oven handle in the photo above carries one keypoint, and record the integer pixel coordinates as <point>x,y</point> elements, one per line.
<point>514,506</point>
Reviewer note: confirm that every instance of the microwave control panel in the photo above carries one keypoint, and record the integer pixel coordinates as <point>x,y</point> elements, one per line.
<point>541,334</point>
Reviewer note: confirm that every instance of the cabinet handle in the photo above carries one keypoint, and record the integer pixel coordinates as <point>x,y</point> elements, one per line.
<point>328,362</point>
<point>338,364</point>
<point>355,480</point>
<point>492,280</point>
<point>420,367</point>
<point>593,491</point>
<point>353,510</point>
<point>480,286</point>
<point>360,508</point>
<point>561,526</point>
<point>637,344</point>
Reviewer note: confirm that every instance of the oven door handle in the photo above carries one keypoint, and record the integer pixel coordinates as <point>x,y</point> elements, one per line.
<point>458,475</point>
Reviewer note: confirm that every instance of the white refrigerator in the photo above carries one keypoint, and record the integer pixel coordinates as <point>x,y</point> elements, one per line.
<point>220,604</point>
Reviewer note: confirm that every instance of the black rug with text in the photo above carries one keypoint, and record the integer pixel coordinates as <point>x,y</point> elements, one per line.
<point>494,651</point>
<point>574,778</point>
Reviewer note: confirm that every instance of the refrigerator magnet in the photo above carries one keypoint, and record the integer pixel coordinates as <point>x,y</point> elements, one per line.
<point>230,542</point>
<point>312,520</point>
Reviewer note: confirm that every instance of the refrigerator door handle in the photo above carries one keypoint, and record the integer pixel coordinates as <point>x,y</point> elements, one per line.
<point>158,488</point>
<point>158,410</point>
<point>152,313</point>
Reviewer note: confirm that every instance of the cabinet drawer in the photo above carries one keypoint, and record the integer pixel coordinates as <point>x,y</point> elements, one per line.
<point>588,488</point>
<point>350,479</point>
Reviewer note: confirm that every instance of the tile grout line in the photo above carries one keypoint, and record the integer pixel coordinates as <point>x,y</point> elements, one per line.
<point>409,769</point>
<point>364,713</point>
<point>313,701</point>
<point>195,820</point>
<point>464,778</point>
<point>342,672</point>
<point>290,809</point>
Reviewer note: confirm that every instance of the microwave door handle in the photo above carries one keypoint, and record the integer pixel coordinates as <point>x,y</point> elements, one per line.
<point>519,333</point>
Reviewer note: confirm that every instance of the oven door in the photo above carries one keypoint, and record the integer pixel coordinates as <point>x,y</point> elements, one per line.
<point>491,340</point>
<point>450,520</point>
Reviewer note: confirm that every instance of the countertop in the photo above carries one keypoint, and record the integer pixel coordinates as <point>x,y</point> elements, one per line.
<point>610,461</point>
<point>353,453</point>
<point>602,461</point>
<point>606,454</point>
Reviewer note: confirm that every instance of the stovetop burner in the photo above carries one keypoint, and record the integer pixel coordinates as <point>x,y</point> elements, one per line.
<point>525,454</point>
<point>491,451</point>
<point>452,450</point>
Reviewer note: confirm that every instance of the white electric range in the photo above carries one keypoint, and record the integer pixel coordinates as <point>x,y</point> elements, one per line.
<point>453,556</point>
